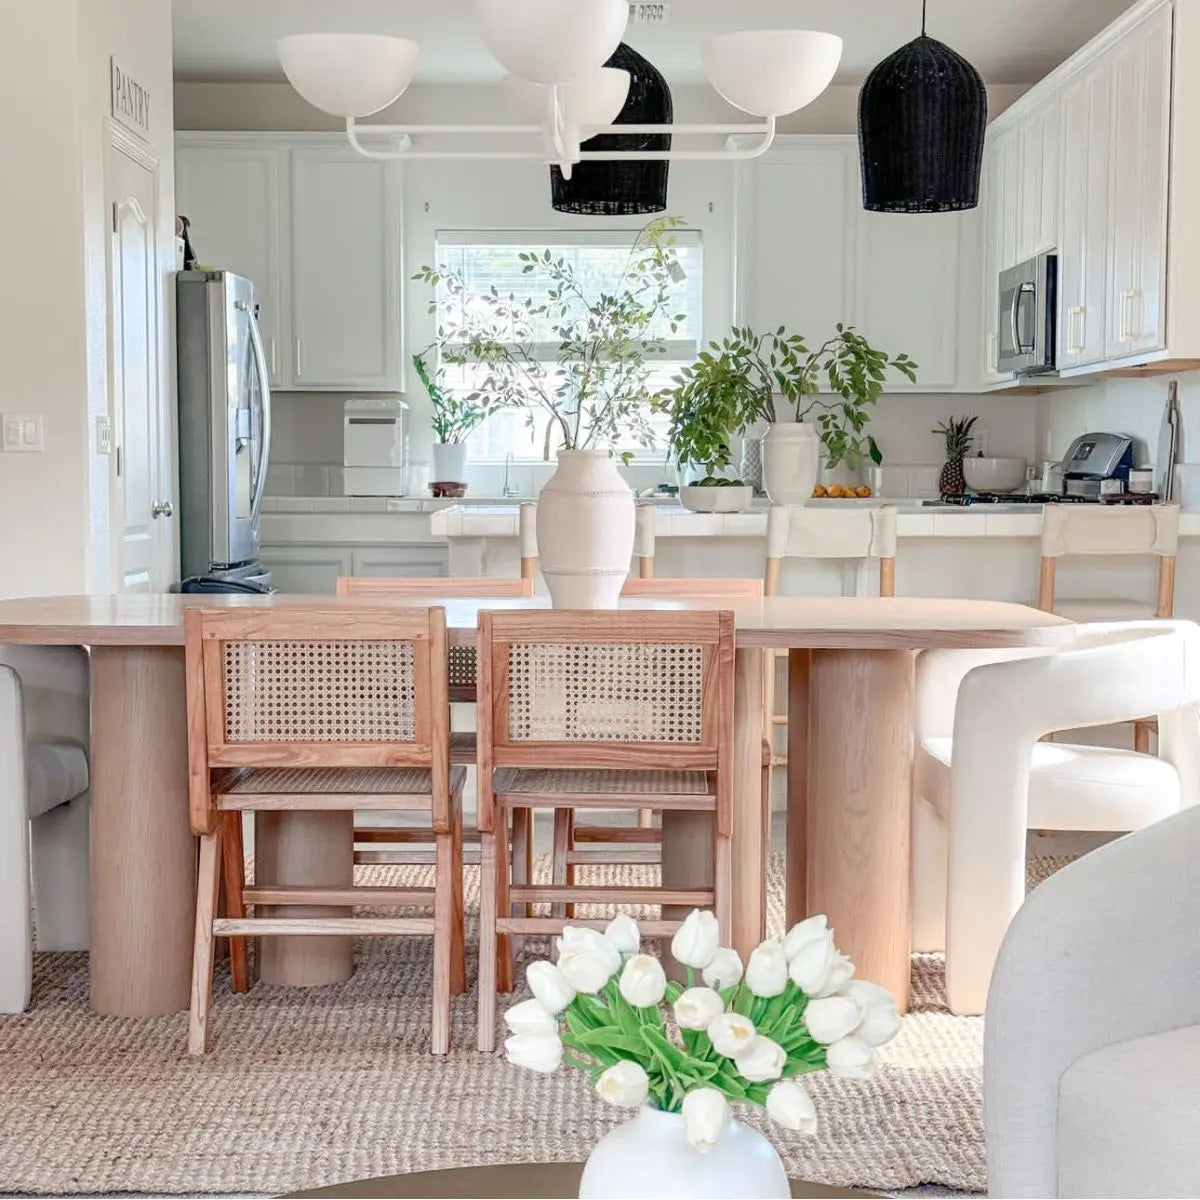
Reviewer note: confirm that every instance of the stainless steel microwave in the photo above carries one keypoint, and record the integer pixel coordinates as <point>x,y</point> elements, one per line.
<point>1028,300</point>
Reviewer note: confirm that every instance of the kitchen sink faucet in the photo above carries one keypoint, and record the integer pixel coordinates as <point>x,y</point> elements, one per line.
<point>509,490</point>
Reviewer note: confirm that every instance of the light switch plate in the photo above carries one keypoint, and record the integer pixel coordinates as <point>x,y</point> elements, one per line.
<point>21,433</point>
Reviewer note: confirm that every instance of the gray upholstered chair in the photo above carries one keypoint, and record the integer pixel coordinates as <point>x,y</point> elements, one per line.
<point>43,809</point>
<point>1092,1042</point>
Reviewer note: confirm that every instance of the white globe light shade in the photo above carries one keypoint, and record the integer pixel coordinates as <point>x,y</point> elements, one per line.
<point>551,41</point>
<point>769,72</point>
<point>594,99</point>
<point>348,74</point>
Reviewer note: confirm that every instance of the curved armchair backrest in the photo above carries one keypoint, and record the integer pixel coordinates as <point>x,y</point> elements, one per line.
<point>54,685</point>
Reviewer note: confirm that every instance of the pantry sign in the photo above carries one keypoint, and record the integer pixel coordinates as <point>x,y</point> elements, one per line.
<point>130,101</point>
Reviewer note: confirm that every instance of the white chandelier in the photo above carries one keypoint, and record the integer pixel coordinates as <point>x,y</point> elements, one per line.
<point>557,86</point>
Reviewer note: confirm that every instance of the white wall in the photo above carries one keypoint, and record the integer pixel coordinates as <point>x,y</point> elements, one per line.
<point>53,314</point>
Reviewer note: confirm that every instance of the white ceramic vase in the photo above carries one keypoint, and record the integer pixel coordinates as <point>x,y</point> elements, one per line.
<point>791,459</point>
<point>650,1157</point>
<point>449,462</point>
<point>585,530</point>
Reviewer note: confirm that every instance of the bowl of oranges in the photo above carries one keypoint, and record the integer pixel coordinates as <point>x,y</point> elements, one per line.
<point>835,491</point>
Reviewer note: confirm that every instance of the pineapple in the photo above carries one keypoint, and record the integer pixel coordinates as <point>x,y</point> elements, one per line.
<point>957,432</point>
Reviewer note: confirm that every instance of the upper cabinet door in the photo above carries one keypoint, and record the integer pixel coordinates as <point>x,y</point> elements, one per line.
<point>796,238</point>
<point>998,204</point>
<point>908,301</point>
<point>345,271</point>
<point>231,196</point>
<point>1139,141</point>
<point>1037,219</point>
<point>1083,236</point>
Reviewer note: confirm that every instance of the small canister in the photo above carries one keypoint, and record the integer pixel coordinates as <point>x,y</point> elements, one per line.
<point>1112,487</point>
<point>1141,479</point>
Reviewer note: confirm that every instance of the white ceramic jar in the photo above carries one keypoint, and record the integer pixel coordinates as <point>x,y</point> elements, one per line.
<point>449,462</point>
<point>650,1157</point>
<point>791,459</point>
<point>585,518</point>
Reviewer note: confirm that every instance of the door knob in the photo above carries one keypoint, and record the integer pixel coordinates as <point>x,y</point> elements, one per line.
<point>163,509</point>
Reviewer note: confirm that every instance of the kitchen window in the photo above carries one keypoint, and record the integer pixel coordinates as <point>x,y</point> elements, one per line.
<point>491,259</point>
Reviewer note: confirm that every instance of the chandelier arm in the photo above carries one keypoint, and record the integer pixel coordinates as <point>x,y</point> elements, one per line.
<point>767,132</point>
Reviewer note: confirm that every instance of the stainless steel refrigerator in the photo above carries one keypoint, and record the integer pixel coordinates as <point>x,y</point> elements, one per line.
<point>224,428</point>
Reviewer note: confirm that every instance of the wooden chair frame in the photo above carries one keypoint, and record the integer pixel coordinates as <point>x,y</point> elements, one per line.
<point>217,763</point>
<point>712,752</point>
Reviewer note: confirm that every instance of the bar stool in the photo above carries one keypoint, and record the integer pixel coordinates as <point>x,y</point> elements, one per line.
<point>1150,531</point>
<point>825,532</point>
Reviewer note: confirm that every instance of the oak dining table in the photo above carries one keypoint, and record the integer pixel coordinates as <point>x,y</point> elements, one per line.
<point>850,667</point>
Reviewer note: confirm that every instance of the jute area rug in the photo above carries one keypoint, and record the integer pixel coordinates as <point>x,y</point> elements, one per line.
<point>307,1087</point>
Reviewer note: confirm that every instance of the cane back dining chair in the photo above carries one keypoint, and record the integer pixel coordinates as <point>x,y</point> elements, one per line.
<point>588,710</point>
<point>320,710</point>
<point>1151,531</point>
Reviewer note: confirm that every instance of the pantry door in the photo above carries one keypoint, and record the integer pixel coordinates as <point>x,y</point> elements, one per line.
<point>142,509</point>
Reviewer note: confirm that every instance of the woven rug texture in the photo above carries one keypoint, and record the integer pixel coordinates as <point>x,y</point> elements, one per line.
<point>308,1087</point>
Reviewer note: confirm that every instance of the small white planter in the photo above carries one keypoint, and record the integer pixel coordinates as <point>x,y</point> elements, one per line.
<point>650,1157</point>
<point>716,499</point>
<point>791,458</point>
<point>585,530</point>
<point>449,462</point>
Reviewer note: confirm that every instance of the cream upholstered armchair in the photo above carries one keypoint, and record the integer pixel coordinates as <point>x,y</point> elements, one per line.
<point>982,777</point>
<point>43,810</point>
<point>1091,1049</point>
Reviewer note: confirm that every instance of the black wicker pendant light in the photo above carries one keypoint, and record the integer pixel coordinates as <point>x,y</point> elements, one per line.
<point>921,119</point>
<point>617,189</point>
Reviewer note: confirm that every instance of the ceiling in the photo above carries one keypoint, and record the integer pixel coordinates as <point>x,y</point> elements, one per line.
<point>1009,41</point>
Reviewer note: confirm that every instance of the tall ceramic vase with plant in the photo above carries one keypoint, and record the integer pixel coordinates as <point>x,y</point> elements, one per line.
<point>453,418</point>
<point>593,392</point>
<point>818,402</point>
<point>678,1058</point>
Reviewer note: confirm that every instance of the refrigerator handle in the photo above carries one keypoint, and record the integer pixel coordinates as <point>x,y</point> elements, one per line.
<point>264,392</point>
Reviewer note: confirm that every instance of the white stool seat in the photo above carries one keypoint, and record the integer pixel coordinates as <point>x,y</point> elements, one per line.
<point>56,771</point>
<point>1129,1118</point>
<point>1104,610</point>
<point>1071,787</point>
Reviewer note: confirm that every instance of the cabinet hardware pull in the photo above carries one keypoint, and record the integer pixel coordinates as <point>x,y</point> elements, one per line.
<point>274,360</point>
<point>299,359</point>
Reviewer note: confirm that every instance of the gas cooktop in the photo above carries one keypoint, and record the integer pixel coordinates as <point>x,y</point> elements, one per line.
<point>967,499</point>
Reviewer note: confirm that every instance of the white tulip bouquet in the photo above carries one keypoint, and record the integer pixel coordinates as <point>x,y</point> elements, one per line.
<point>744,1035</point>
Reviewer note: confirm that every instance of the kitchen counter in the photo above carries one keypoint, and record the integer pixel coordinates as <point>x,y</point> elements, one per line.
<point>916,519</point>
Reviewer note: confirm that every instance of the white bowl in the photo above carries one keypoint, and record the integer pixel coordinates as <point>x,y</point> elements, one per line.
<point>994,474</point>
<point>716,499</point>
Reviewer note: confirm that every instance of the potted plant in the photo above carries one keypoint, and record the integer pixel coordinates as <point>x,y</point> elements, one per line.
<point>959,440</point>
<point>830,391</point>
<point>708,406</point>
<point>453,418</point>
<point>737,1037</point>
<point>595,390</point>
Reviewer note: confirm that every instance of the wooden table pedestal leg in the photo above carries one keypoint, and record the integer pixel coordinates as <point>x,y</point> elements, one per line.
<point>143,854</point>
<point>298,849</point>
<point>859,807</point>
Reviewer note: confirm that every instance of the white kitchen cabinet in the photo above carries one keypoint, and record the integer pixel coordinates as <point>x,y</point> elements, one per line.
<point>1083,240</point>
<point>419,560</point>
<point>1140,152</point>
<point>231,193</point>
<point>1037,180</point>
<point>345,270</point>
<point>908,292</point>
<point>999,196</point>
<point>306,570</point>
<point>798,207</point>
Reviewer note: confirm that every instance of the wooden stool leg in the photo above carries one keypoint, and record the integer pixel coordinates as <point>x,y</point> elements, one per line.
<point>208,882</point>
<point>488,942</point>
<point>458,943</point>
<point>234,865</point>
<point>443,938</point>
<point>1141,735</point>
